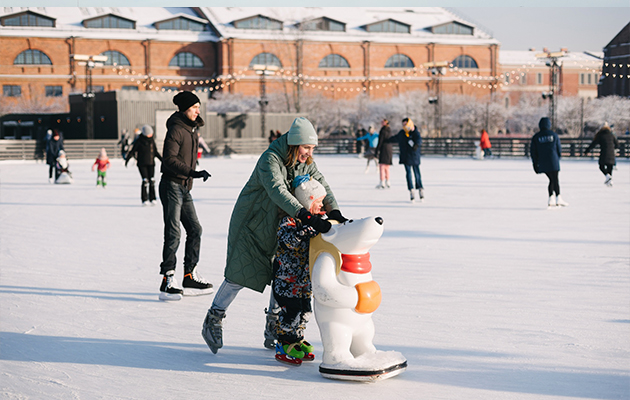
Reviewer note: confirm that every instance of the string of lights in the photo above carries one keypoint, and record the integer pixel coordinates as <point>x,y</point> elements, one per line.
<point>334,84</point>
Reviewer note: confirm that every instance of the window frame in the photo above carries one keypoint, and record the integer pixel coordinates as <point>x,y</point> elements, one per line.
<point>31,53</point>
<point>29,15</point>
<point>193,57</point>
<point>388,22</point>
<point>399,56</point>
<point>89,23</point>
<point>334,56</point>
<point>110,60</point>
<point>267,55</point>
<point>54,90</point>
<point>467,59</point>
<point>11,90</point>
<point>243,22</point>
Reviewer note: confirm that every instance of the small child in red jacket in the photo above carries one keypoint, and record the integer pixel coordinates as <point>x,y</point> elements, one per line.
<point>102,162</point>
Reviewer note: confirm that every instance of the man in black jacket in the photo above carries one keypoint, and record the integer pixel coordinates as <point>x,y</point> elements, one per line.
<point>178,170</point>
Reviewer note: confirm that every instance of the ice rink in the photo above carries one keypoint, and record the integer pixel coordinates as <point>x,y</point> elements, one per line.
<point>486,292</point>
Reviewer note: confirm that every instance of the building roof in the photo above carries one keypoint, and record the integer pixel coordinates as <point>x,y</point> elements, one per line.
<point>69,22</point>
<point>528,58</point>
<point>420,20</point>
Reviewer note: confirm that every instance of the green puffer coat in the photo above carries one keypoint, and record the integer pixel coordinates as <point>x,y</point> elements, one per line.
<point>252,236</point>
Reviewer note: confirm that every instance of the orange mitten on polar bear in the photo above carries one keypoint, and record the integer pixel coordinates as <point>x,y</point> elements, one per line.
<point>345,297</point>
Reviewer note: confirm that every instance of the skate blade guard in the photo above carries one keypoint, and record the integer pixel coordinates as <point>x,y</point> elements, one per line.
<point>367,368</point>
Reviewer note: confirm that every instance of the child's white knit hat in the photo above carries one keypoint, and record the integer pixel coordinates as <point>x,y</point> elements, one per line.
<point>307,190</point>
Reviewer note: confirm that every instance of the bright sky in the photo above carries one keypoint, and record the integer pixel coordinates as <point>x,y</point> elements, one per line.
<point>579,25</point>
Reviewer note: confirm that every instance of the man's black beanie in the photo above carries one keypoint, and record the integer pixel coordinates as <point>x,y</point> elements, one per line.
<point>185,100</point>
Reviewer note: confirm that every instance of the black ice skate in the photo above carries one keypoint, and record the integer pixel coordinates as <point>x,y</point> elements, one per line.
<point>195,285</point>
<point>168,291</point>
<point>212,330</point>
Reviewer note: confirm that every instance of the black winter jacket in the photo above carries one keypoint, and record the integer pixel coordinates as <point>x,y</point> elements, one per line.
<point>144,150</point>
<point>545,148</point>
<point>179,156</point>
<point>384,151</point>
<point>608,143</point>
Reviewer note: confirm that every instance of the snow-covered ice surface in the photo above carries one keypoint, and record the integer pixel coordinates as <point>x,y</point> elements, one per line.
<point>487,294</point>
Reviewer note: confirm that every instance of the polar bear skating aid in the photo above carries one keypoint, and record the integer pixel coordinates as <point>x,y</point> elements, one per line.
<point>345,296</point>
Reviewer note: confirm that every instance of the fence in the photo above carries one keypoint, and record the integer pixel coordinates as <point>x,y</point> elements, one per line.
<point>461,147</point>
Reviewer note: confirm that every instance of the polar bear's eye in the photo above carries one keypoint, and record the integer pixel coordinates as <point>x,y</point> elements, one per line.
<point>350,221</point>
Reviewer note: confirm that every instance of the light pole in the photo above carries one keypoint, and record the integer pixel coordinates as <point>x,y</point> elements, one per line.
<point>437,70</point>
<point>263,70</point>
<point>554,87</point>
<point>89,62</point>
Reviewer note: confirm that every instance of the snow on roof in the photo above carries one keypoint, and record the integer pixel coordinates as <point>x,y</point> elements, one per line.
<point>420,19</point>
<point>69,22</point>
<point>529,57</point>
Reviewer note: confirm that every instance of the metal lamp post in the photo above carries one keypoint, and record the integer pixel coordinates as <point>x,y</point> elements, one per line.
<point>554,87</point>
<point>263,71</point>
<point>90,62</point>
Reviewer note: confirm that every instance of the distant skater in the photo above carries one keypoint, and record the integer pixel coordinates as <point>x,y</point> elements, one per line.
<point>546,152</point>
<point>485,144</point>
<point>607,143</point>
<point>102,164</point>
<point>145,151</point>
<point>372,140</point>
<point>384,154</point>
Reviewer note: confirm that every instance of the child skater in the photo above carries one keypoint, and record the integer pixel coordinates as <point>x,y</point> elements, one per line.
<point>292,282</point>
<point>102,162</point>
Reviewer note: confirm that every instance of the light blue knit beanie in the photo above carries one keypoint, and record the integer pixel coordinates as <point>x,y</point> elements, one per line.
<point>301,132</point>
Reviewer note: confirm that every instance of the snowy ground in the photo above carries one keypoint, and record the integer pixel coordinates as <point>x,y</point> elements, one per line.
<point>487,293</point>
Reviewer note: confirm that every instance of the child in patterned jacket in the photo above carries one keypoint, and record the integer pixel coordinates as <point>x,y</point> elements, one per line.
<point>292,282</point>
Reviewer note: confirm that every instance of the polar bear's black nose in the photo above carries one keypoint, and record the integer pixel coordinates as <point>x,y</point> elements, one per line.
<point>379,220</point>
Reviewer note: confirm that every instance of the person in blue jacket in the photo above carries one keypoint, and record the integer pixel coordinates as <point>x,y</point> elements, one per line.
<point>409,145</point>
<point>546,152</point>
<point>372,140</point>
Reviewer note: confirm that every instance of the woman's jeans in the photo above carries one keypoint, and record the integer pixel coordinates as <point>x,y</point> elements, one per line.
<point>178,207</point>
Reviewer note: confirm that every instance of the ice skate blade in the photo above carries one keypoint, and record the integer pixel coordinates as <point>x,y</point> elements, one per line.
<point>197,292</point>
<point>283,358</point>
<point>363,375</point>
<point>170,296</point>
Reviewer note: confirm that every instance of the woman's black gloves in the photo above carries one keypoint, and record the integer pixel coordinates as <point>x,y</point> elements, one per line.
<point>336,215</point>
<point>320,225</point>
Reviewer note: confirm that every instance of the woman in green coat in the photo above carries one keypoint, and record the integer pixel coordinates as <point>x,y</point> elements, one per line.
<point>254,222</point>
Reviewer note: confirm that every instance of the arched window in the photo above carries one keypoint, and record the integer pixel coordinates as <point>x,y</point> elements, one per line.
<point>115,58</point>
<point>32,57</point>
<point>334,61</point>
<point>399,61</point>
<point>266,59</point>
<point>186,60</point>
<point>464,62</point>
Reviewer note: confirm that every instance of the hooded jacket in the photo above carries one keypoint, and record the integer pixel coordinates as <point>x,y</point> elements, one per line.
<point>179,156</point>
<point>144,150</point>
<point>545,148</point>
<point>252,235</point>
<point>608,143</point>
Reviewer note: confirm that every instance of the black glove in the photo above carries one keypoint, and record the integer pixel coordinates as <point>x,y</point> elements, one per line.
<point>200,174</point>
<point>320,225</point>
<point>336,215</point>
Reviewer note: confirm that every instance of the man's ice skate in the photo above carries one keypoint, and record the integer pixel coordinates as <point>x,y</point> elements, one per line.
<point>551,202</point>
<point>212,330</point>
<point>412,196</point>
<point>168,290</point>
<point>270,329</point>
<point>421,193</point>
<point>195,285</point>
<point>289,353</point>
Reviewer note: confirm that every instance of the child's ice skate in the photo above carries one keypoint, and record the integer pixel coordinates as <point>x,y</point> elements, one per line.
<point>307,348</point>
<point>289,353</point>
